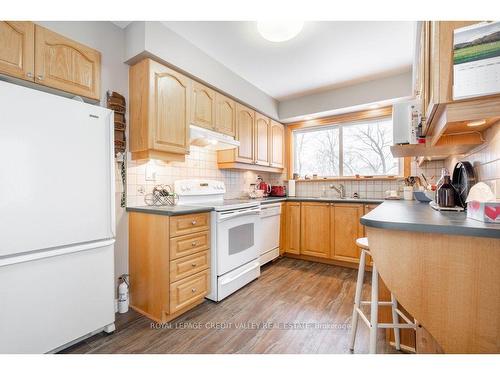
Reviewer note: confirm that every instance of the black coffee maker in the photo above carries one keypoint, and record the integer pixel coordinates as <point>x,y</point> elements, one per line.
<point>453,191</point>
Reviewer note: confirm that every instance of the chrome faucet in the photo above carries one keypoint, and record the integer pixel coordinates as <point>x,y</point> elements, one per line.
<point>340,190</point>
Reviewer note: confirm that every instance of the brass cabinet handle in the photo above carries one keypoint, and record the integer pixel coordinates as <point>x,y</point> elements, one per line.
<point>193,222</point>
<point>193,264</point>
<point>193,243</point>
<point>193,290</point>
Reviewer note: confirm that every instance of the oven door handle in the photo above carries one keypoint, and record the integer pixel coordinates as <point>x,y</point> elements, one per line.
<point>224,217</point>
<point>240,274</point>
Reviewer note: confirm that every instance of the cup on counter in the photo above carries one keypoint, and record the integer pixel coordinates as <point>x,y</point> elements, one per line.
<point>408,193</point>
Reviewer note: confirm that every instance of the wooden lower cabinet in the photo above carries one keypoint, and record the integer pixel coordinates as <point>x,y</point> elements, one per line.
<point>189,290</point>
<point>347,228</point>
<point>169,263</point>
<point>292,227</point>
<point>323,231</point>
<point>315,229</point>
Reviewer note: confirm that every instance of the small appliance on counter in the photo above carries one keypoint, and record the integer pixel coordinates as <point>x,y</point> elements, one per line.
<point>265,187</point>
<point>278,191</point>
<point>452,192</point>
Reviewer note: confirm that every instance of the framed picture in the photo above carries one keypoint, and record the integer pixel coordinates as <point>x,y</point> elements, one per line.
<point>476,60</point>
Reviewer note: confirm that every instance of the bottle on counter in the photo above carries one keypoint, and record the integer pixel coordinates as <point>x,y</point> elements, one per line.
<point>445,196</point>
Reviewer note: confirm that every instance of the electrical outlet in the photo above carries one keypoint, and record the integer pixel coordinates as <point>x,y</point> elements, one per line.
<point>150,173</point>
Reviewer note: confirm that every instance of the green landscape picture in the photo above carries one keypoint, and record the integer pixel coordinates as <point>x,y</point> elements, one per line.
<point>477,44</point>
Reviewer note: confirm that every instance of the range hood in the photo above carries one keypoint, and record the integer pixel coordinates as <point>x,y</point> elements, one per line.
<point>207,138</point>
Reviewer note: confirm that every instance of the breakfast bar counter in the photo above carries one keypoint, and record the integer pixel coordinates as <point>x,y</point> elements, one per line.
<point>420,217</point>
<point>444,270</point>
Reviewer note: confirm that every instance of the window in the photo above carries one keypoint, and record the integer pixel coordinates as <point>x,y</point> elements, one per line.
<point>346,149</point>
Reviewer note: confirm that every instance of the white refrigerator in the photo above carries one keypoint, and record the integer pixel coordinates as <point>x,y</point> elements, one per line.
<point>57,224</point>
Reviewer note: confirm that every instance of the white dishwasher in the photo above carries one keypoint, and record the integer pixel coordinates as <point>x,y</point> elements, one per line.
<point>270,230</point>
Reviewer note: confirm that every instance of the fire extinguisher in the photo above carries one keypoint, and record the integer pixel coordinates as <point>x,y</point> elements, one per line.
<point>123,294</point>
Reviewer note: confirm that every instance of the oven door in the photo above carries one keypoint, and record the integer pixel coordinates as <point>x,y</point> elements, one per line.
<point>237,242</point>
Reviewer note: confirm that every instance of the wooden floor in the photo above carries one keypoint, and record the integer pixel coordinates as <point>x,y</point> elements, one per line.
<point>281,312</point>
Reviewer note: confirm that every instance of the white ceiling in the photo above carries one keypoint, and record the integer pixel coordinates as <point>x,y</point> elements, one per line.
<point>325,55</point>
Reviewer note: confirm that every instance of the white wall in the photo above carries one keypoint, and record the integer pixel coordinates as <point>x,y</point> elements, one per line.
<point>156,40</point>
<point>325,103</point>
<point>109,39</point>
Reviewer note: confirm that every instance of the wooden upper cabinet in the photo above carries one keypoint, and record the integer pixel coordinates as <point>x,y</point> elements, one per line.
<point>225,115</point>
<point>159,112</point>
<point>64,64</point>
<point>171,108</point>
<point>17,40</point>
<point>262,132</point>
<point>347,228</point>
<point>292,227</point>
<point>315,229</point>
<point>203,106</point>
<point>245,120</point>
<point>277,145</point>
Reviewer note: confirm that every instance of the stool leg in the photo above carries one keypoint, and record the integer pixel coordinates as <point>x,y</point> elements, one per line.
<point>357,298</point>
<point>374,311</point>
<point>395,320</point>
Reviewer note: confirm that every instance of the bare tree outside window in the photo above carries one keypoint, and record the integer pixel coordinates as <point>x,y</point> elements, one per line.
<point>317,152</point>
<point>365,150</point>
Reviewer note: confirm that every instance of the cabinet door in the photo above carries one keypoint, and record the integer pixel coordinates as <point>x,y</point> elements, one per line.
<point>262,132</point>
<point>277,143</point>
<point>225,115</point>
<point>292,228</point>
<point>66,65</point>
<point>171,109</point>
<point>315,229</point>
<point>347,229</point>
<point>245,119</point>
<point>203,106</point>
<point>17,44</point>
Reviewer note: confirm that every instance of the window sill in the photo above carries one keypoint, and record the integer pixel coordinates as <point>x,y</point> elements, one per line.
<point>353,178</point>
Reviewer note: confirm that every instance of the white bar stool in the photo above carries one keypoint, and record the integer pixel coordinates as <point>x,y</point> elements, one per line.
<point>373,323</point>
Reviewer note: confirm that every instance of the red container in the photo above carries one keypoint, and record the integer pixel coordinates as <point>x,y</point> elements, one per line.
<point>278,191</point>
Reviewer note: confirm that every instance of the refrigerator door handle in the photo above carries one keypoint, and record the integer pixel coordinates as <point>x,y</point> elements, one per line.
<point>47,253</point>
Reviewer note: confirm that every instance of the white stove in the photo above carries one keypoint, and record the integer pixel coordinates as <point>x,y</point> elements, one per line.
<point>209,193</point>
<point>235,244</point>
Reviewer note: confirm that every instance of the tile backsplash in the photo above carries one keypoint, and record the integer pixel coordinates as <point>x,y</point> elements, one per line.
<point>200,163</point>
<point>365,189</point>
<point>485,159</point>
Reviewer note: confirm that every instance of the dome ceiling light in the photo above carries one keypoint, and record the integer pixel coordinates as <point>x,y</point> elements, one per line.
<point>279,31</point>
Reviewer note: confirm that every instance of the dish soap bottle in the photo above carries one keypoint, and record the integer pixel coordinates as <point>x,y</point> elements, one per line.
<point>445,196</point>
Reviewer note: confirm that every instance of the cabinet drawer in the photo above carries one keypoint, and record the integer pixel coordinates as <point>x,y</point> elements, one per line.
<point>189,290</point>
<point>186,224</point>
<point>187,266</point>
<point>189,244</point>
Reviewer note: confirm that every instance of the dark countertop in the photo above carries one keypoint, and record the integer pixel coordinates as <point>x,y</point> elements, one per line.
<point>335,200</point>
<point>170,210</point>
<point>311,199</point>
<point>184,210</point>
<point>420,217</point>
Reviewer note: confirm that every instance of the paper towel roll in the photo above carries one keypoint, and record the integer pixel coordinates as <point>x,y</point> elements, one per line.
<point>291,188</point>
